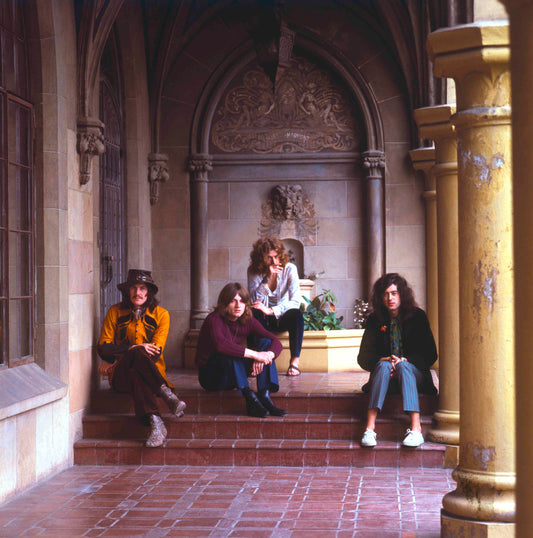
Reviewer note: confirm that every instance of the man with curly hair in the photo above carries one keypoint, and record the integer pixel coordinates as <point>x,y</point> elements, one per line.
<point>398,349</point>
<point>274,288</point>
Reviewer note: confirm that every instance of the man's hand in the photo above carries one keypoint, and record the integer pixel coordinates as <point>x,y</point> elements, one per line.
<point>151,349</point>
<point>260,306</point>
<point>257,368</point>
<point>275,269</point>
<point>264,357</point>
<point>103,369</point>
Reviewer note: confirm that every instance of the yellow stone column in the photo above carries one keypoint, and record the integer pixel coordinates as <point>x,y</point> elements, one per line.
<point>521,23</point>
<point>423,160</point>
<point>476,56</point>
<point>434,124</point>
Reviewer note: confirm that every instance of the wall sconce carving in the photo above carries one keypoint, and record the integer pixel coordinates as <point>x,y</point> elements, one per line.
<point>288,212</point>
<point>157,173</point>
<point>90,143</point>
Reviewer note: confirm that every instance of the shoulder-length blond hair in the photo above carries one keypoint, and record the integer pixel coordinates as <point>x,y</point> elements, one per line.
<point>227,294</point>
<point>259,255</point>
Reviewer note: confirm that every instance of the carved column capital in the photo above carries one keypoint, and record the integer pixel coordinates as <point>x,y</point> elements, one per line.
<point>90,143</point>
<point>157,173</point>
<point>199,165</point>
<point>373,164</point>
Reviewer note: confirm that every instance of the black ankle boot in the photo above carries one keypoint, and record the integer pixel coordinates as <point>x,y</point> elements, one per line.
<point>264,398</point>
<point>254,407</point>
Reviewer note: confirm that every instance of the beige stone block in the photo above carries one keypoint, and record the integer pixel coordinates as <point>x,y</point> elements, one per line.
<point>185,80</point>
<point>44,431</point>
<point>174,288</point>
<point>80,267</point>
<point>239,262</point>
<point>232,233</point>
<point>81,324</point>
<point>218,266</point>
<point>346,291</point>
<point>398,164</point>
<point>173,208</point>
<point>340,232</point>
<point>26,449</point>
<point>63,294</point>
<point>176,118</point>
<point>355,199</point>
<point>179,323</point>
<point>50,125</point>
<point>62,449</point>
<point>80,371</point>
<point>332,260</point>
<point>75,431</point>
<point>246,199</point>
<point>50,236</point>
<point>8,461</point>
<point>379,75</point>
<point>218,195</point>
<point>73,162</point>
<point>328,197</point>
<point>48,348</point>
<point>50,179</point>
<point>396,120</point>
<point>214,288</point>
<point>356,262</point>
<point>171,249</point>
<point>80,215</point>
<point>405,246</point>
<point>404,205</point>
<point>48,298</point>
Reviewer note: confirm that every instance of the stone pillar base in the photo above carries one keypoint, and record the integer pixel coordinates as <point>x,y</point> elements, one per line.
<point>451,456</point>
<point>451,527</point>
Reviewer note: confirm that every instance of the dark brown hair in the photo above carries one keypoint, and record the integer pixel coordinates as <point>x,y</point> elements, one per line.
<point>227,294</point>
<point>259,255</point>
<point>407,298</point>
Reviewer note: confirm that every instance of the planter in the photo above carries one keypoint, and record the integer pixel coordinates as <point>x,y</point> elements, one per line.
<point>322,351</point>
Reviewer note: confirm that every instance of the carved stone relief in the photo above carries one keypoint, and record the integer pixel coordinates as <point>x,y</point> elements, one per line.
<point>288,212</point>
<point>308,112</point>
<point>157,173</point>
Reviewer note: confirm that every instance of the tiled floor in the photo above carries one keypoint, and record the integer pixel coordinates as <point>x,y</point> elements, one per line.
<point>157,501</point>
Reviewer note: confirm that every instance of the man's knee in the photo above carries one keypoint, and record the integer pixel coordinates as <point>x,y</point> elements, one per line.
<point>262,344</point>
<point>383,366</point>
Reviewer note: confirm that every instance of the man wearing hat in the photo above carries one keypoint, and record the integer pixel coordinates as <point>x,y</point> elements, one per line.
<point>131,345</point>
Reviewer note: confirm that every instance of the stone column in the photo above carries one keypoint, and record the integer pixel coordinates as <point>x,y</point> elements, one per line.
<point>373,165</point>
<point>521,22</point>
<point>423,160</point>
<point>477,57</point>
<point>434,123</point>
<point>199,166</point>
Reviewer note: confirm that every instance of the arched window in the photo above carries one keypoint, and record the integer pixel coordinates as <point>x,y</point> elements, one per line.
<point>17,275</point>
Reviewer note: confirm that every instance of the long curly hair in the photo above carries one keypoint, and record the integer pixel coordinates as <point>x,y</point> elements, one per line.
<point>259,255</point>
<point>227,294</point>
<point>407,298</point>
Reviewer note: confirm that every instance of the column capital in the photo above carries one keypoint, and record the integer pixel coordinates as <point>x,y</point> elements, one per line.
<point>477,57</point>
<point>157,173</point>
<point>423,160</point>
<point>434,123</point>
<point>199,164</point>
<point>373,163</point>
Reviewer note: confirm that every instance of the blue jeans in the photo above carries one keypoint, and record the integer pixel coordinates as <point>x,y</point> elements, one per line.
<point>292,321</point>
<point>222,372</point>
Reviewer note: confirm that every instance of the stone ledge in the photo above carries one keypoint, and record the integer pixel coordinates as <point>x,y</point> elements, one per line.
<point>27,387</point>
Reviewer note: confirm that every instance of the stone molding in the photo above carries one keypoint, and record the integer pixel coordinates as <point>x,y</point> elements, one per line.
<point>90,143</point>
<point>157,173</point>
<point>199,165</point>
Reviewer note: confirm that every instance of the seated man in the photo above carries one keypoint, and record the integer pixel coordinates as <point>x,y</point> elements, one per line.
<point>131,345</point>
<point>274,288</point>
<point>397,348</point>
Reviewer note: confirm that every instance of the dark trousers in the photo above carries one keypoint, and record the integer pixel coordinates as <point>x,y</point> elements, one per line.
<point>408,377</point>
<point>292,321</point>
<point>222,372</point>
<point>137,374</point>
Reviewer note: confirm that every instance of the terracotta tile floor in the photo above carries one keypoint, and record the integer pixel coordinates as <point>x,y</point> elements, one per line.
<point>157,501</point>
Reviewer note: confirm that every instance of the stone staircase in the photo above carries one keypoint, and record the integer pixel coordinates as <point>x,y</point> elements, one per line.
<point>322,428</point>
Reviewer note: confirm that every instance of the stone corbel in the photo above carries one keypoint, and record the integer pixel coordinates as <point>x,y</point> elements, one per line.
<point>373,163</point>
<point>90,143</point>
<point>157,173</point>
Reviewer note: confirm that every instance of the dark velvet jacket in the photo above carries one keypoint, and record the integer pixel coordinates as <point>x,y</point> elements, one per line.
<point>418,345</point>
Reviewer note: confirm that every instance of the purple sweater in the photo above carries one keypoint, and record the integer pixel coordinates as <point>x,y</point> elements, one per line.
<point>229,338</point>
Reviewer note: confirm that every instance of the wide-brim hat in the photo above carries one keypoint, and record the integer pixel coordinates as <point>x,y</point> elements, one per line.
<point>138,276</point>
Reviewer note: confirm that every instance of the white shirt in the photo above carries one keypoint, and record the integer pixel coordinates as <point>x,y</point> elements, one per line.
<point>286,295</point>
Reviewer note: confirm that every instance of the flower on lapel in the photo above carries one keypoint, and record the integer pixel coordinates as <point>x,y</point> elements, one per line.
<point>383,328</point>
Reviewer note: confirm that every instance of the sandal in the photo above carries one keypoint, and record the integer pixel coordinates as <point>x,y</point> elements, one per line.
<point>294,369</point>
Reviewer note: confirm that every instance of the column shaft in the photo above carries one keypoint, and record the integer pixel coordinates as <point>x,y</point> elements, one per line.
<point>477,57</point>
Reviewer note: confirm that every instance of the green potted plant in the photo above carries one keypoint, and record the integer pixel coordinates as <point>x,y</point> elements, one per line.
<point>319,314</point>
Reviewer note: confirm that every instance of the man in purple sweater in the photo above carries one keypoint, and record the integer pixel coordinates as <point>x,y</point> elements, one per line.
<point>224,359</point>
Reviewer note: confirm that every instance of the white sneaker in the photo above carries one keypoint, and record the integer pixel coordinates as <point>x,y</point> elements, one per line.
<point>413,439</point>
<point>369,438</point>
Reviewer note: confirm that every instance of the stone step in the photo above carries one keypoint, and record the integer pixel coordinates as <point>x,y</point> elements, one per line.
<point>292,426</point>
<point>262,452</point>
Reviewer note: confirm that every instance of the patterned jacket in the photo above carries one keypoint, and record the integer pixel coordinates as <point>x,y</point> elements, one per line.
<point>121,330</point>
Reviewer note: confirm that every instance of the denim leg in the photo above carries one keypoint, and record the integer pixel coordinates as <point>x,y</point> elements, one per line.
<point>293,321</point>
<point>409,378</point>
<point>268,378</point>
<point>380,380</point>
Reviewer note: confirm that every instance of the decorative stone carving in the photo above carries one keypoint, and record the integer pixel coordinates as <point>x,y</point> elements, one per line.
<point>90,143</point>
<point>373,163</point>
<point>308,112</point>
<point>289,213</point>
<point>157,173</point>
<point>199,165</point>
